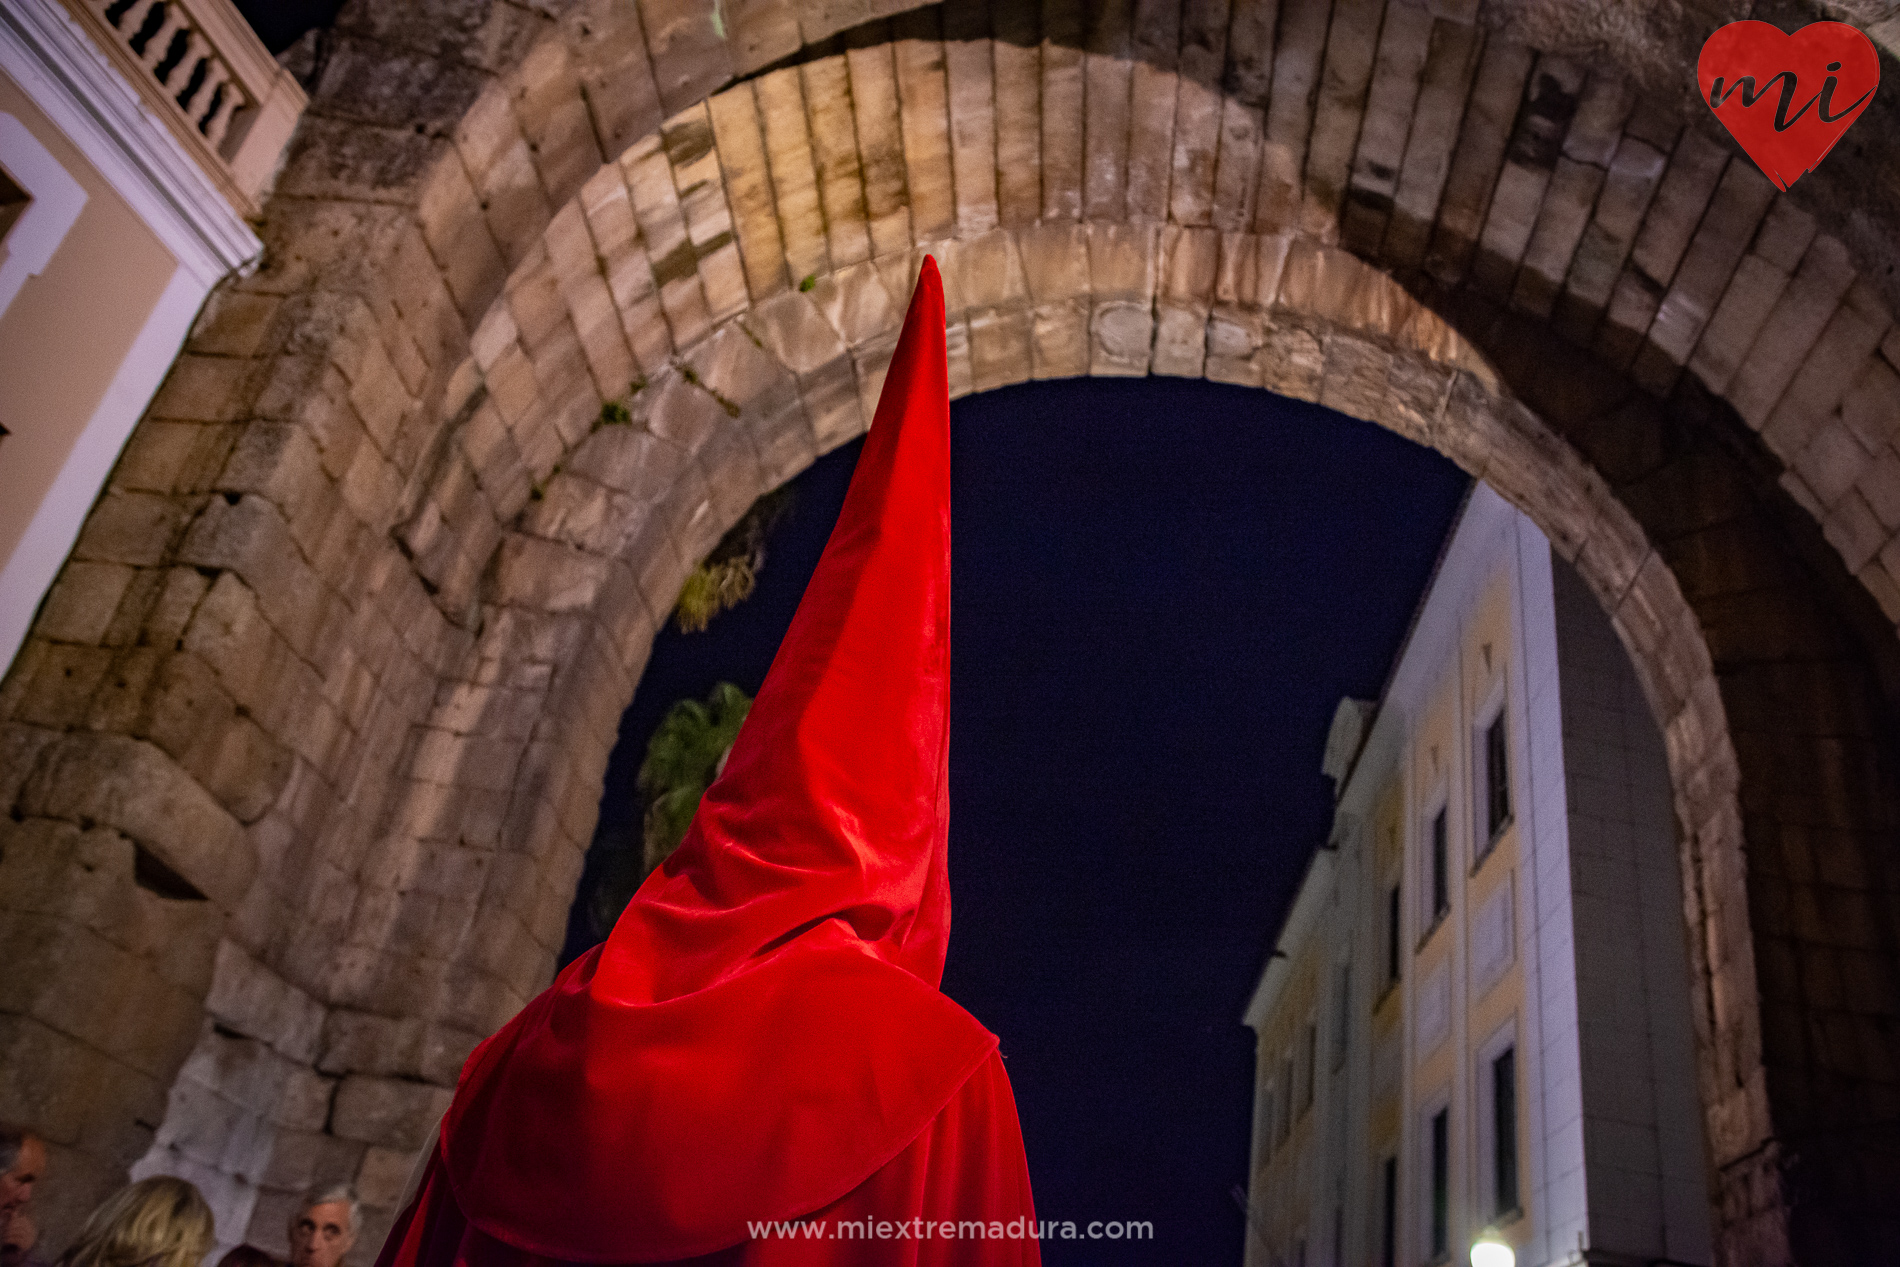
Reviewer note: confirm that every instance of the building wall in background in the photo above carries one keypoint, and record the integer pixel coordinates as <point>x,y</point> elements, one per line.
<point>124,234</point>
<point>1290,1138</point>
<point>1641,1121</point>
<point>69,328</point>
<point>92,317</point>
<point>1557,939</point>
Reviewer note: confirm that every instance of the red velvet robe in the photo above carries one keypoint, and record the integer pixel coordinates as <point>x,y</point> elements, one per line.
<point>762,1039</point>
<point>965,1168</point>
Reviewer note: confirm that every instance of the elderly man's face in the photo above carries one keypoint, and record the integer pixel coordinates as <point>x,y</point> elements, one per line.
<point>321,1235</point>
<point>17,1184</point>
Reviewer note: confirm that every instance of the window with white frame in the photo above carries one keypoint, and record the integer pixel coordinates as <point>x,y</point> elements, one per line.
<point>1490,774</point>
<point>1437,864</point>
<point>1504,1133</point>
<point>38,207</point>
<point>1389,1215</point>
<point>1498,1076</point>
<point>1435,1168</point>
<point>1393,925</point>
<point>13,202</point>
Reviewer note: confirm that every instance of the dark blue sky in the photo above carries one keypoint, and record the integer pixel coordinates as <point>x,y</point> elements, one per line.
<point>1161,589</point>
<point>279,22</point>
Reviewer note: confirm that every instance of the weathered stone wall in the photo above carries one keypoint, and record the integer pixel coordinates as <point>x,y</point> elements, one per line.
<point>305,748</point>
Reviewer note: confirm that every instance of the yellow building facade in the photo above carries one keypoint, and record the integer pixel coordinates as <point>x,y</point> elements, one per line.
<point>135,141</point>
<point>1475,1019</point>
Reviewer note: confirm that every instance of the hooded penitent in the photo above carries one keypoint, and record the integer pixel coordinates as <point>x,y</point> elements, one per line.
<point>762,1037</point>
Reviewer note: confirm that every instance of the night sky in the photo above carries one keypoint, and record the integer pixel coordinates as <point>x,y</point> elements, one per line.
<point>279,22</point>
<point>1161,589</point>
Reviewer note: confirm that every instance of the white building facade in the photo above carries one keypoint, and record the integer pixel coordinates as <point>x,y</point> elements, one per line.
<point>1476,1016</point>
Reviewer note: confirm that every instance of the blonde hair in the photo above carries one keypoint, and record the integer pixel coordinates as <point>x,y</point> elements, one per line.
<point>156,1222</point>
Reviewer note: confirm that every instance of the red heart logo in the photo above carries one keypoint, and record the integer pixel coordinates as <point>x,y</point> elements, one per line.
<point>1788,98</point>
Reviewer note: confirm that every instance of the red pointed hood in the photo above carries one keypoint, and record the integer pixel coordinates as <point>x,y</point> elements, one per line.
<point>763,1029</point>
<point>834,803</point>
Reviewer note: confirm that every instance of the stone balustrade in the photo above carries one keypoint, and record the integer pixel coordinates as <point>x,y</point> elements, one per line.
<point>199,67</point>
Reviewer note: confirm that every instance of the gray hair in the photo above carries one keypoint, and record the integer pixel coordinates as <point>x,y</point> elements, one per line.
<point>336,1193</point>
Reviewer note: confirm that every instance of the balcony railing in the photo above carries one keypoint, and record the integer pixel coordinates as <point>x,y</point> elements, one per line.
<point>201,69</point>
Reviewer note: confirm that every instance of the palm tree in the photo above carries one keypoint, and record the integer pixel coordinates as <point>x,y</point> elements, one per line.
<point>686,753</point>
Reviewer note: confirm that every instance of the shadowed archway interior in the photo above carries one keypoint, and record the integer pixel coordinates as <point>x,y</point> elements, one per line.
<point>307,742</point>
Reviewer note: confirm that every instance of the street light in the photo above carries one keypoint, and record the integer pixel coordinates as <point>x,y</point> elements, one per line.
<point>1492,1250</point>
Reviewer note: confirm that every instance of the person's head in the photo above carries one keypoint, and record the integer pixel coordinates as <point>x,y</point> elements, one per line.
<point>156,1222</point>
<point>324,1228</point>
<point>17,1239</point>
<point>22,1159</point>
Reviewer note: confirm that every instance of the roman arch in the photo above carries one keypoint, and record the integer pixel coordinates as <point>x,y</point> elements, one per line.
<point>305,748</point>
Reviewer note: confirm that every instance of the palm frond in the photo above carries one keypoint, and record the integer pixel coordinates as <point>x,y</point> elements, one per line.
<point>683,758</point>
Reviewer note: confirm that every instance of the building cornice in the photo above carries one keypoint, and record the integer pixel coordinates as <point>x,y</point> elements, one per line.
<point>1314,887</point>
<point>69,78</point>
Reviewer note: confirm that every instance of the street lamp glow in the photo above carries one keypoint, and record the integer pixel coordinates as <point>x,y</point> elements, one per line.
<point>1491,1250</point>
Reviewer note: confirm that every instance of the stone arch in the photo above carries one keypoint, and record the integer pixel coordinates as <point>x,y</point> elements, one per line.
<point>776,384</point>
<point>352,626</point>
